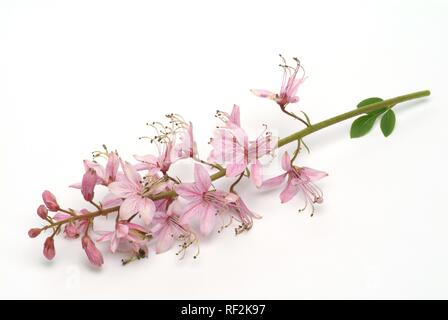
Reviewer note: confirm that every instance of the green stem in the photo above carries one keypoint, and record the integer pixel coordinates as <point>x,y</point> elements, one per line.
<point>351,114</point>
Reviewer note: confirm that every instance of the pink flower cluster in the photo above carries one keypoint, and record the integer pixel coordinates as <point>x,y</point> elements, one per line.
<point>153,210</point>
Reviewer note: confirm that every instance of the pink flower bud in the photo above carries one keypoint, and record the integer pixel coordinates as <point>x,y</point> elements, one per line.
<point>34,232</point>
<point>50,201</point>
<point>71,231</point>
<point>88,184</point>
<point>93,254</point>
<point>49,250</point>
<point>42,211</point>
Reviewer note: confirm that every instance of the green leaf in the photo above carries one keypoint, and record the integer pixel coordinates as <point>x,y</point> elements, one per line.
<point>362,125</point>
<point>388,122</point>
<point>368,101</point>
<point>373,100</point>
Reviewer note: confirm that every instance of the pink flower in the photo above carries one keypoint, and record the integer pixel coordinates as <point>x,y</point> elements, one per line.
<point>34,232</point>
<point>72,230</point>
<point>89,181</point>
<point>187,147</point>
<point>42,212</point>
<point>50,201</point>
<point>132,189</point>
<point>104,176</point>
<point>231,146</point>
<point>154,164</point>
<point>167,227</point>
<point>290,85</point>
<point>242,213</point>
<point>126,233</point>
<point>49,250</point>
<point>300,179</point>
<point>202,202</point>
<point>93,254</point>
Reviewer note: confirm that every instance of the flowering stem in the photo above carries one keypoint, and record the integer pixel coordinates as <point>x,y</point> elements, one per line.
<point>326,123</point>
<point>103,212</point>
<point>297,136</point>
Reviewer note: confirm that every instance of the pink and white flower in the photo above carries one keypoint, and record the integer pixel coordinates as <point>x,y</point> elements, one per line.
<point>135,193</point>
<point>201,202</point>
<point>289,87</point>
<point>299,179</point>
<point>167,227</point>
<point>231,147</point>
<point>127,236</point>
<point>104,175</point>
<point>242,213</point>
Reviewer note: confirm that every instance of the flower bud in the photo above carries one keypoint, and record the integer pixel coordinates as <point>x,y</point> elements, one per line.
<point>93,254</point>
<point>49,250</point>
<point>88,184</point>
<point>50,201</point>
<point>34,232</point>
<point>42,212</point>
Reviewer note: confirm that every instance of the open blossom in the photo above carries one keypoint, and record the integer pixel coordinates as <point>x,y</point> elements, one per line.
<point>104,175</point>
<point>201,202</point>
<point>50,201</point>
<point>231,146</point>
<point>289,87</point>
<point>299,179</point>
<point>167,227</point>
<point>93,254</point>
<point>127,236</point>
<point>187,147</point>
<point>242,213</point>
<point>154,164</point>
<point>132,189</point>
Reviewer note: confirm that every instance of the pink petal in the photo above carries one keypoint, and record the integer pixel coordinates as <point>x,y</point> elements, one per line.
<point>192,209</point>
<point>111,200</point>
<point>235,116</point>
<point>274,182</point>
<point>106,237</point>
<point>131,174</point>
<point>165,239</point>
<point>263,93</point>
<point>113,162</point>
<point>188,191</point>
<point>289,192</point>
<point>129,207</point>
<point>121,230</point>
<point>76,185</point>
<point>202,178</point>
<point>122,189</point>
<point>114,244</point>
<point>208,219</point>
<point>234,170</point>
<point>147,159</point>
<point>256,174</point>
<point>146,209</point>
<point>286,162</point>
<point>313,174</point>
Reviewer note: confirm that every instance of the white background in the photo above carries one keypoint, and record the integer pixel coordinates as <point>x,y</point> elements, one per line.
<point>77,74</point>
